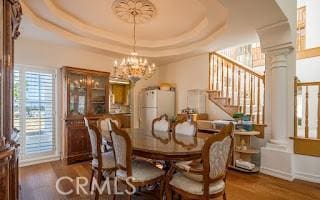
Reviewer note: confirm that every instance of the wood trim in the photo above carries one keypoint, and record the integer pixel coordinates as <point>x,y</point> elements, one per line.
<point>217,81</point>
<point>308,53</point>
<point>251,96</point>
<point>307,114</point>
<point>233,89</point>
<point>243,67</point>
<point>304,146</point>
<point>318,129</point>
<point>295,119</point>
<point>245,93</point>
<point>239,87</point>
<point>211,72</point>
<point>227,90</point>
<point>84,70</point>
<point>308,83</point>
<point>258,103</point>
<point>222,77</point>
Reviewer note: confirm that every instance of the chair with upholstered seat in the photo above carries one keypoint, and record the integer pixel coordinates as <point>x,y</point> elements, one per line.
<point>142,173</point>
<point>103,125</point>
<point>185,128</point>
<point>161,128</point>
<point>101,162</point>
<point>206,179</point>
<point>161,123</point>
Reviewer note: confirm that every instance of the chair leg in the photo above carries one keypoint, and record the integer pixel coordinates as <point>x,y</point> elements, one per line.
<point>99,183</point>
<point>129,195</point>
<point>168,193</point>
<point>162,187</point>
<point>91,178</point>
<point>224,196</point>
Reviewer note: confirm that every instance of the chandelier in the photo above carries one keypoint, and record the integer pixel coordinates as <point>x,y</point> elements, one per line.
<point>134,67</point>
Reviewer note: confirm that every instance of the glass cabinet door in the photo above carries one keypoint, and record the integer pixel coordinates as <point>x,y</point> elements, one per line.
<point>98,95</point>
<point>77,94</point>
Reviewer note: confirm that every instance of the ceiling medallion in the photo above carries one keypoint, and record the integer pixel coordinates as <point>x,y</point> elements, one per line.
<point>126,10</point>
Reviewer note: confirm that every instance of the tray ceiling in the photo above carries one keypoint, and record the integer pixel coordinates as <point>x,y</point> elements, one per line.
<point>179,26</point>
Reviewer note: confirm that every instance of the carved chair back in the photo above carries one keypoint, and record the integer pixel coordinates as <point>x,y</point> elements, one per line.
<point>216,155</point>
<point>122,148</point>
<point>95,141</point>
<point>161,123</point>
<point>185,127</point>
<point>103,123</point>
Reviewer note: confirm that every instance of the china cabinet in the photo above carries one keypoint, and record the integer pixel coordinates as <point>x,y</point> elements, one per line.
<point>86,93</point>
<point>10,11</point>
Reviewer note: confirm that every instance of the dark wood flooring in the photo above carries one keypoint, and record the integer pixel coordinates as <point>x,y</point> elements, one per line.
<point>38,183</point>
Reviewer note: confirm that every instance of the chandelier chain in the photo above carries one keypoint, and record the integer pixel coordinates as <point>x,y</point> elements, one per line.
<point>134,32</point>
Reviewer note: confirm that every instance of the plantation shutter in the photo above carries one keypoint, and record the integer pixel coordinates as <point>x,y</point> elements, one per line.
<point>34,110</point>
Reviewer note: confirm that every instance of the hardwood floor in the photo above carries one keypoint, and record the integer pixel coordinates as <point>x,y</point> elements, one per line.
<point>38,183</point>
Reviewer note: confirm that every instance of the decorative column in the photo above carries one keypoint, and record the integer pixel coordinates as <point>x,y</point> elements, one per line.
<point>276,156</point>
<point>279,96</point>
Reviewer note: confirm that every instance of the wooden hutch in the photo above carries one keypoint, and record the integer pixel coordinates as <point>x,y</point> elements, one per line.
<point>9,149</point>
<point>85,93</point>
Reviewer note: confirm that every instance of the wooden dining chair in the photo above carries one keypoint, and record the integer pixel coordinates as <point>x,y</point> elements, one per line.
<point>161,123</point>
<point>101,162</point>
<point>103,125</point>
<point>142,173</point>
<point>161,128</point>
<point>184,128</point>
<point>206,179</point>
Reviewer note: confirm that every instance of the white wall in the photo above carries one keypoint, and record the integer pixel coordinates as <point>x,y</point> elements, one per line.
<point>49,55</point>
<point>188,74</point>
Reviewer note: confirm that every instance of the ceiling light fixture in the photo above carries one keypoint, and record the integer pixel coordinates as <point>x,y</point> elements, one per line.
<point>134,67</point>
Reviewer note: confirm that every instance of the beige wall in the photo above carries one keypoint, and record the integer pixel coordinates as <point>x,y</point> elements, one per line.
<point>188,74</point>
<point>48,55</point>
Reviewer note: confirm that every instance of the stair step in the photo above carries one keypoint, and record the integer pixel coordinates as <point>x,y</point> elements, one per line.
<point>231,109</point>
<point>222,100</point>
<point>214,93</point>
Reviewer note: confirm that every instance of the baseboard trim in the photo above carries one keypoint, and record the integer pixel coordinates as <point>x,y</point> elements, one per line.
<point>277,173</point>
<point>307,177</point>
<point>27,162</point>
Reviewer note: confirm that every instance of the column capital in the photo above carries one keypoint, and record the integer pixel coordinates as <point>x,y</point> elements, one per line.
<point>279,57</point>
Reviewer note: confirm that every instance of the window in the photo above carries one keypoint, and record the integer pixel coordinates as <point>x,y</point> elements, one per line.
<point>34,111</point>
<point>301,28</point>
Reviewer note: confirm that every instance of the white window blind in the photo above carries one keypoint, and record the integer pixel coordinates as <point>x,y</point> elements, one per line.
<point>34,110</point>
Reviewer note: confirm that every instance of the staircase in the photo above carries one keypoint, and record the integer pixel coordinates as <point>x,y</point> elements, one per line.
<point>236,88</point>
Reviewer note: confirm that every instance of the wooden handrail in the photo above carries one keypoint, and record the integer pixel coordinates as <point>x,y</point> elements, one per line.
<point>245,68</point>
<point>308,83</point>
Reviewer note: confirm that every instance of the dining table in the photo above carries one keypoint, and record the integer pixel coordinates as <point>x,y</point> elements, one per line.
<point>161,145</point>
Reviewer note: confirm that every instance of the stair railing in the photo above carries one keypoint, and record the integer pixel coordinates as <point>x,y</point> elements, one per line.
<point>307,118</point>
<point>243,86</point>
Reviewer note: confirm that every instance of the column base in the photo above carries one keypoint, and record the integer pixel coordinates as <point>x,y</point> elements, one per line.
<point>277,160</point>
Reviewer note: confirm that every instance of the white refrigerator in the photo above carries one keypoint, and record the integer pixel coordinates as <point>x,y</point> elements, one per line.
<point>155,103</point>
